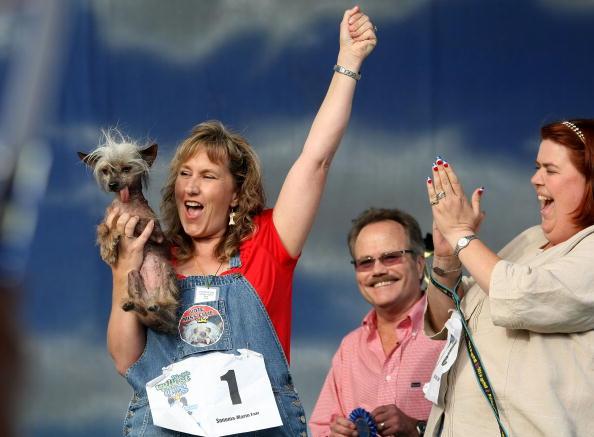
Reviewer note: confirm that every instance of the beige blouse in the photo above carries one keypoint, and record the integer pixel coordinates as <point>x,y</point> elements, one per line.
<point>535,335</point>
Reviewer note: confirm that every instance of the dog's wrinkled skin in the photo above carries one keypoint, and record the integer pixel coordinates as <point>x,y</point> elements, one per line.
<point>121,167</point>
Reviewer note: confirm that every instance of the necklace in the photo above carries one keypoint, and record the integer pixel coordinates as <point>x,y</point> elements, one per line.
<point>209,277</point>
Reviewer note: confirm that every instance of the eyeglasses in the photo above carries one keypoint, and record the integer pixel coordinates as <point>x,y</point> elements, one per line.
<point>387,259</point>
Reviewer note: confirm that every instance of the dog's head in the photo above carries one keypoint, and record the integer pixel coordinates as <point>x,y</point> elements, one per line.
<point>120,165</point>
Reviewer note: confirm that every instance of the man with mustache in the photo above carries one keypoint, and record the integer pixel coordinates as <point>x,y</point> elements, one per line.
<point>383,364</point>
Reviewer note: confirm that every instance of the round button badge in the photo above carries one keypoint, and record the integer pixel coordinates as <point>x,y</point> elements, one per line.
<point>201,326</point>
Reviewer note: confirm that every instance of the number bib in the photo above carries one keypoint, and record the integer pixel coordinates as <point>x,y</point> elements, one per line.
<point>216,394</point>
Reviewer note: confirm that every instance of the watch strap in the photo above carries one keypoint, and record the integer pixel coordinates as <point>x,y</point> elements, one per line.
<point>463,243</point>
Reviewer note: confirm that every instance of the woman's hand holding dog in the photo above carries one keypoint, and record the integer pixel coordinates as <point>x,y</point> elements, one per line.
<point>131,248</point>
<point>126,337</point>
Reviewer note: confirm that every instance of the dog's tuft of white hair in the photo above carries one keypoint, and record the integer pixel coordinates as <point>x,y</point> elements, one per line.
<point>117,148</point>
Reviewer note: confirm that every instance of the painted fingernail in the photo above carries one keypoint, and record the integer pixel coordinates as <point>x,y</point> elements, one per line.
<point>445,164</point>
<point>438,160</point>
<point>435,167</point>
<point>429,181</point>
<point>481,190</point>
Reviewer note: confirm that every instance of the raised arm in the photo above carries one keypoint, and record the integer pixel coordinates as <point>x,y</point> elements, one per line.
<point>302,190</point>
<point>126,337</point>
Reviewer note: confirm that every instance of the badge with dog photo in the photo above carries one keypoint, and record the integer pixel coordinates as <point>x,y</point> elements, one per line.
<point>201,326</point>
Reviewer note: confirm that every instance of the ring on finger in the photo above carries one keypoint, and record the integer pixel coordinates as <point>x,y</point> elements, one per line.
<point>129,236</point>
<point>440,195</point>
<point>434,201</point>
<point>382,425</point>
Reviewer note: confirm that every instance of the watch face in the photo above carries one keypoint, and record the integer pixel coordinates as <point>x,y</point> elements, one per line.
<point>462,243</point>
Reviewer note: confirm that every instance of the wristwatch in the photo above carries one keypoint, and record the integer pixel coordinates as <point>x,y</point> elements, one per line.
<point>421,426</point>
<point>463,242</point>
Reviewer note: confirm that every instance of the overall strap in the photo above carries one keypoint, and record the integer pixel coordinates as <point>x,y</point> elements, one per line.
<point>235,261</point>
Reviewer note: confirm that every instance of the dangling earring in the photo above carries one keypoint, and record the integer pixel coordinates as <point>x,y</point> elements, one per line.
<point>232,218</point>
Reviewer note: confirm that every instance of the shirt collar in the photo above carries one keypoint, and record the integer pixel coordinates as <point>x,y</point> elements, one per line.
<point>415,314</point>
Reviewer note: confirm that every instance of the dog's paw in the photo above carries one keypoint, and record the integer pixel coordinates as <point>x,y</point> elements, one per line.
<point>108,245</point>
<point>128,305</point>
<point>110,257</point>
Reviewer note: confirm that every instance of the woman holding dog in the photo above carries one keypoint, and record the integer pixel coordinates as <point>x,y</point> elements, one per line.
<point>529,308</point>
<point>234,258</point>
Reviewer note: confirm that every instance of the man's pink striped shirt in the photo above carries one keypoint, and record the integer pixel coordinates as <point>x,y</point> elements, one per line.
<point>362,376</point>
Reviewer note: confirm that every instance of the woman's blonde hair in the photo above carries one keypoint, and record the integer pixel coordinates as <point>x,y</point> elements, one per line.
<point>225,148</point>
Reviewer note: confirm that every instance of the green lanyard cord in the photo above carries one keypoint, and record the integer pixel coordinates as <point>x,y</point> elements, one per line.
<point>475,358</point>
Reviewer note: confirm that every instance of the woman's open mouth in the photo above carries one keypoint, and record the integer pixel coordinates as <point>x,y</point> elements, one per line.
<point>193,209</point>
<point>545,203</point>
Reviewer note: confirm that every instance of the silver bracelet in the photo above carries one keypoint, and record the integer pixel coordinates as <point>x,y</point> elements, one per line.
<point>349,73</point>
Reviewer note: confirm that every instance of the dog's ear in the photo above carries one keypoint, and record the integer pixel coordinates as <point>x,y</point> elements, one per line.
<point>90,160</point>
<point>149,154</point>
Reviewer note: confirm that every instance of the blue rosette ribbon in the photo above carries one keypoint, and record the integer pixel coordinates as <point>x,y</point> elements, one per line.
<point>364,422</point>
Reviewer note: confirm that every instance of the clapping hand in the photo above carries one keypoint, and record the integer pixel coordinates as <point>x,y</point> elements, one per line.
<point>454,215</point>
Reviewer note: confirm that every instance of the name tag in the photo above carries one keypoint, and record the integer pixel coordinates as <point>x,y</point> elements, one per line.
<point>214,394</point>
<point>205,294</point>
<point>447,357</point>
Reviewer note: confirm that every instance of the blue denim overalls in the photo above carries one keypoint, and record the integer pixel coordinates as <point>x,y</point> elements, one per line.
<point>247,325</point>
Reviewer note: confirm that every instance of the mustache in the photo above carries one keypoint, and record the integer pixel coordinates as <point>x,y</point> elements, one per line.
<point>382,278</point>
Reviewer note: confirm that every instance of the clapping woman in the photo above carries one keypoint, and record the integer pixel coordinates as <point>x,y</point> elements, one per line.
<point>529,309</point>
